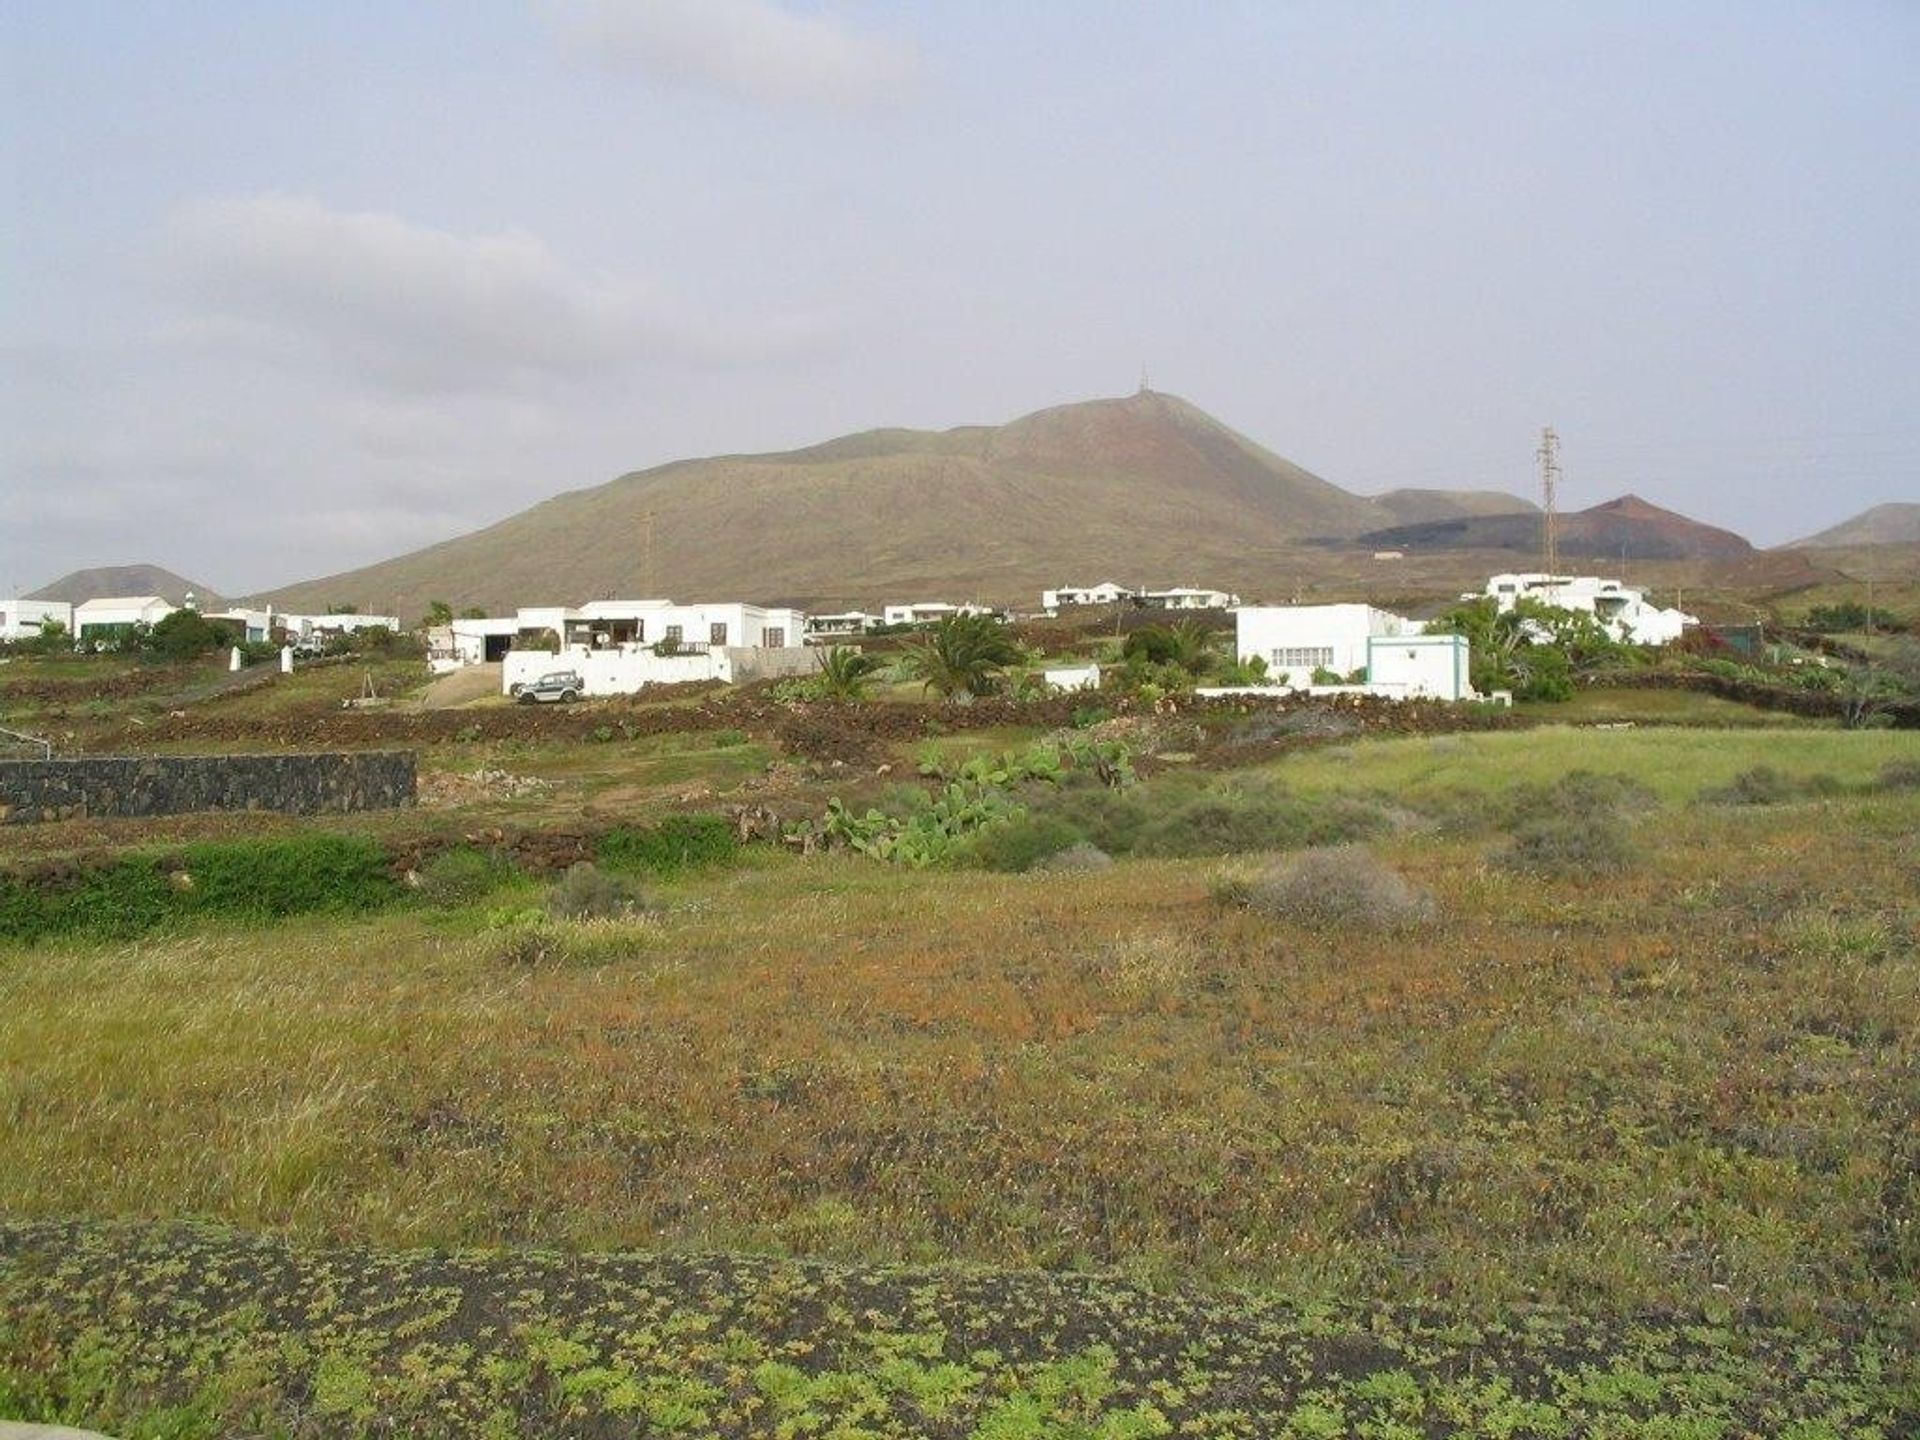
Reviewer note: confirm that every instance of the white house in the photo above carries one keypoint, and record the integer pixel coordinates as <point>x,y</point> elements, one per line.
<point>620,646</point>
<point>842,626</point>
<point>1372,651</point>
<point>1297,640</point>
<point>926,612</point>
<point>1107,592</point>
<point>1182,597</point>
<point>320,628</point>
<point>1624,611</point>
<point>470,642</point>
<point>23,619</point>
<point>1432,667</point>
<point>265,624</point>
<point>111,617</point>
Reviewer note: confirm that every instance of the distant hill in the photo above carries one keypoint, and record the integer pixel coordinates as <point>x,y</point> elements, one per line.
<point>1628,527</point>
<point>1895,523</point>
<point>1146,489</point>
<point>84,585</point>
<point>1421,507</point>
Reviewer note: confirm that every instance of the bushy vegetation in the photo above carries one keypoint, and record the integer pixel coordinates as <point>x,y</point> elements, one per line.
<point>1533,649</point>
<point>1022,843</point>
<point>253,880</point>
<point>1177,817</point>
<point>1850,616</point>
<point>586,892</point>
<point>964,656</point>
<point>465,874</point>
<point>680,842</point>
<point>1764,785</point>
<point>1345,886</point>
<point>1591,843</point>
<point>984,794</point>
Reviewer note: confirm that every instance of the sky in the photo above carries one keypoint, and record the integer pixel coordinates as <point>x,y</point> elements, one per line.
<point>288,288</point>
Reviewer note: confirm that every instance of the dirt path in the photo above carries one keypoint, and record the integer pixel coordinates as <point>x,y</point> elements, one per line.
<point>462,687</point>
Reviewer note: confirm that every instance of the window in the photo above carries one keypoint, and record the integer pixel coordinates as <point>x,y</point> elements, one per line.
<point>673,635</point>
<point>1303,657</point>
<point>776,637</point>
<point>717,633</point>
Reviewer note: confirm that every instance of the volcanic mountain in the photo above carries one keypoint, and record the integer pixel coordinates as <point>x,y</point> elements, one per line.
<point>1629,528</point>
<point>1895,523</point>
<point>84,585</point>
<point>1144,489</point>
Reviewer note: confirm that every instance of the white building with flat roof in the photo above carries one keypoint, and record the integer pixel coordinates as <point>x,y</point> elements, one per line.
<point>24,619</point>
<point>1107,592</point>
<point>926,612</point>
<point>845,625</point>
<point>110,617</point>
<point>1298,640</point>
<point>1624,611</point>
<point>1363,649</point>
<point>1186,597</point>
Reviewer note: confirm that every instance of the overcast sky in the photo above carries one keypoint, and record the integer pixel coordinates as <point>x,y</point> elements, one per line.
<point>292,287</point>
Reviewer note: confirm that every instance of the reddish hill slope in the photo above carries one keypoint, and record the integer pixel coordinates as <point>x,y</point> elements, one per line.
<point>1629,527</point>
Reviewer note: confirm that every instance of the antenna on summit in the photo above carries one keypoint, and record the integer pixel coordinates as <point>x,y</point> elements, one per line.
<point>1144,386</point>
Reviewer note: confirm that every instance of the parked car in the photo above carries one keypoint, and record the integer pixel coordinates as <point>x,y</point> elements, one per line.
<point>556,686</point>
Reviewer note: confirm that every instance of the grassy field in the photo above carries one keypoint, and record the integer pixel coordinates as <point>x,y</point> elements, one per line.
<point>1627,1154</point>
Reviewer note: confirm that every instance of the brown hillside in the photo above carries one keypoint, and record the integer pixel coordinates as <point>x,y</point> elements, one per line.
<point>1146,488</point>
<point>1895,523</point>
<point>1628,527</point>
<point>1420,507</point>
<point>84,585</point>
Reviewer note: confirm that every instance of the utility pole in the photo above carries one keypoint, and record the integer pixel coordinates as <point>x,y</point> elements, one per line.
<point>1549,457</point>
<point>646,555</point>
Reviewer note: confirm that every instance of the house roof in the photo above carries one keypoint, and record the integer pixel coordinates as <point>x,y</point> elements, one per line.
<point>120,602</point>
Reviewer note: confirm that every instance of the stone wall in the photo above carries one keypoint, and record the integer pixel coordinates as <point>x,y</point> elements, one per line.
<point>126,785</point>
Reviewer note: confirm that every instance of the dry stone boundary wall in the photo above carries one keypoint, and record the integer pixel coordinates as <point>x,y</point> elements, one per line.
<point>140,785</point>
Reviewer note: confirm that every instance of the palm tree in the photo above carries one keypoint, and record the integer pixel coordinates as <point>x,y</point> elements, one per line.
<point>1188,645</point>
<point>845,673</point>
<point>964,656</point>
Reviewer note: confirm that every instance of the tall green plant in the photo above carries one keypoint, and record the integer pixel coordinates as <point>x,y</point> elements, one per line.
<point>964,656</point>
<point>845,673</point>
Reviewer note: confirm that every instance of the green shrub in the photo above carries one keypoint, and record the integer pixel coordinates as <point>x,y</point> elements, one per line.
<point>587,892</point>
<point>1021,843</point>
<point>1110,819</point>
<point>680,842</point>
<point>1764,785</point>
<point>1899,775</point>
<point>1231,820</point>
<point>243,879</point>
<point>465,874</point>
<point>263,879</point>
<point>1342,885</point>
<point>1076,857</point>
<point>1584,843</point>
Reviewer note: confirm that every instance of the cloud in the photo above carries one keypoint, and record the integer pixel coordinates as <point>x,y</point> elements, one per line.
<point>418,310</point>
<point>754,49</point>
<point>422,308</point>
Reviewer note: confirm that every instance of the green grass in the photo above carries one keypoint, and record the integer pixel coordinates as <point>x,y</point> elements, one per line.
<point>1626,1157</point>
<point>1665,707</point>
<point>1677,764</point>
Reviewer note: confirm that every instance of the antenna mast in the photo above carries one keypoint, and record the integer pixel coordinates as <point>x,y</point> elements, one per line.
<point>1549,457</point>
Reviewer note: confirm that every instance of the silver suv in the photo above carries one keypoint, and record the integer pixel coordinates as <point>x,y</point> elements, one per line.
<point>556,686</point>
